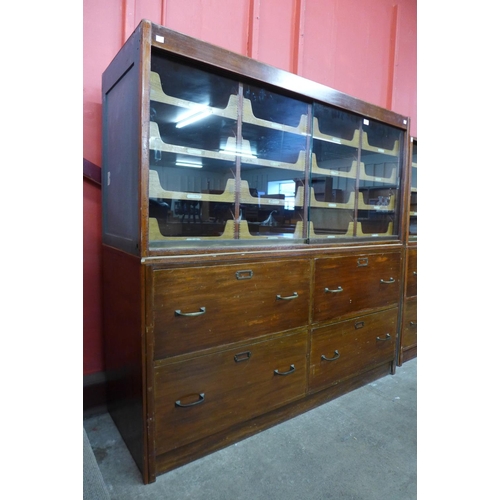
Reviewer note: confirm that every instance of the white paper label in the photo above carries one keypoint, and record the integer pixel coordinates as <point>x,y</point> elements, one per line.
<point>366,122</point>
<point>194,196</point>
<point>160,38</point>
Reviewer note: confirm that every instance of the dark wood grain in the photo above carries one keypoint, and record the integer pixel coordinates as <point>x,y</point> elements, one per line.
<point>409,329</point>
<point>360,278</point>
<point>235,309</point>
<point>123,347</point>
<point>411,270</point>
<point>350,346</point>
<point>233,390</point>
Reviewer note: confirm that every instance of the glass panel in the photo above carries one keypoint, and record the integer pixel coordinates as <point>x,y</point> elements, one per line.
<point>379,179</point>
<point>273,153</point>
<point>413,194</point>
<point>192,186</point>
<point>334,168</point>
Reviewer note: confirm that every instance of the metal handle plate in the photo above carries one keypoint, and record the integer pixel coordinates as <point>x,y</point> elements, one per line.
<point>242,356</point>
<point>245,274</point>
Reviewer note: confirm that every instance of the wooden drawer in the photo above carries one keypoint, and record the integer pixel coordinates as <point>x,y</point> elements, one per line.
<point>226,388</point>
<point>411,270</point>
<point>349,347</point>
<point>409,330</point>
<point>200,307</point>
<point>348,285</point>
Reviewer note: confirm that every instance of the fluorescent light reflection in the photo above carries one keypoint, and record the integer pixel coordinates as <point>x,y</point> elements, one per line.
<point>193,116</point>
<point>190,164</point>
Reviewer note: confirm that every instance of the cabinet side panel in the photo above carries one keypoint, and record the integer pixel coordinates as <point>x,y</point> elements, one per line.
<point>123,347</point>
<point>121,158</point>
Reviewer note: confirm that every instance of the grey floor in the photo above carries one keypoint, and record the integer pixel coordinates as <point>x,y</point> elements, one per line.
<point>361,446</point>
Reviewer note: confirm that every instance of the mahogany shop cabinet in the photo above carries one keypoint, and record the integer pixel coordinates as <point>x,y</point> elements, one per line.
<point>253,247</point>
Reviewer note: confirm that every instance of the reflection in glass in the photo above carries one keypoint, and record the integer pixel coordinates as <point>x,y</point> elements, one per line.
<point>380,168</point>
<point>272,172</point>
<point>192,187</point>
<point>334,169</point>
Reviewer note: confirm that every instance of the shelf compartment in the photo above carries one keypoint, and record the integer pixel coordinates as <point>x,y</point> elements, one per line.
<point>362,205</point>
<point>313,203</point>
<point>279,234</point>
<point>298,166</point>
<point>349,233</point>
<point>249,117</point>
<point>361,232</point>
<point>157,95</point>
<point>156,143</point>
<point>156,191</point>
<point>349,174</point>
<point>317,134</point>
<point>156,235</point>
<point>320,235</point>
<point>363,176</point>
<point>365,146</point>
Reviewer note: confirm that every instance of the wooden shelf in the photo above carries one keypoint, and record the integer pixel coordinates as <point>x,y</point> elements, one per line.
<point>231,110</point>
<point>317,134</point>
<point>159,145</point>
<point>157,94</point>
<point>351,173</point>
<point>365,146</point>
<point>156,191</point>
<point>156,235</point>
<point>349,232</point>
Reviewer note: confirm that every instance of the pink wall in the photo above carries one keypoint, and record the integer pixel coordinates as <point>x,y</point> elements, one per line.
<point>366,48</point>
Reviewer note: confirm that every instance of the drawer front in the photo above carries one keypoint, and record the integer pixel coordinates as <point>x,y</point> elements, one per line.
<point>197,308</point>
<point>202,396</point>
<point>409,330</point>
<point>411,269</point>
<point>347,285</point>
<point>349,347</point>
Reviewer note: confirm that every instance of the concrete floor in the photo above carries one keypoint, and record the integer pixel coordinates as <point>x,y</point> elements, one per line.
<point>361,446</point>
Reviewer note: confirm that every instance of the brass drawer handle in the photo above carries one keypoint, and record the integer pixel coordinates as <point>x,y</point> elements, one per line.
<point>391,280</point>
<point>337,356</point>
<point>359,324</point>
<point>290,297</point>
<point>244,274</point>
<point>413,323</point>
<point>202,310</point>
<point>242,356</point>
<point>200,400</point>
<point>387,337</point>
<point>292,369</point>
<point>362,261</point>
<point>338,290</point>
